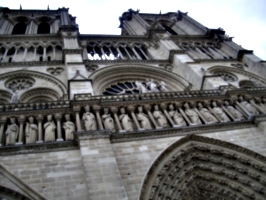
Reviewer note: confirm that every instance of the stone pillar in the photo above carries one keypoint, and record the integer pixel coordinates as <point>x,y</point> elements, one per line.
<point>215,115</point>
<point>136,53</point>
<point>25,53</point>
<point>101,170</point>
<point>228,113</point>
<point>201,116</point>
<point>131,109</point>
<point>178,106</point>
<point>21,120</point>
<point>2,125</point>
<point>128,53</point>
<point>40,134</point>
<point>114,111</point>
<point>148,109</point>
<point>58,117</point>
<point>99,119</point>
<point>256,106</point>
<point>118,50</point>
<point>78,124</point>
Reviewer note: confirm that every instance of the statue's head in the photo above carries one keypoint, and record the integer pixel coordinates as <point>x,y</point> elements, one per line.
<point>67,117</point>
<point>31,119</point>
<point>87,108</point>
<point>122,110</point>
<point>171,107</point>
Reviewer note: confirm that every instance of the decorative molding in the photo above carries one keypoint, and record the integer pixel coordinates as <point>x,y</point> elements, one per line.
<point>55,70</point>
<point>30,64</point>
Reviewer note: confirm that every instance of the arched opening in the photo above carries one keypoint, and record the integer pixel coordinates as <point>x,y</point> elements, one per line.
<point>19,28</point>
<point>198,167</point>
<point>43,28</point>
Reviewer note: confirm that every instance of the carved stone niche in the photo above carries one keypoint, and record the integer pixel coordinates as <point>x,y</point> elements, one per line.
<point>55,70</point>
<point>19,83</point>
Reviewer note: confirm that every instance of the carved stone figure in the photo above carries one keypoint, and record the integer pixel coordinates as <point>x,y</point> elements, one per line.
<point>249,107</point>
<point>31,131</point>
<point>151,85</point>
<point>49,130</point>
<point>162,87</point>
<point>108,120</point>
<point>14,98</point>
<point>177,117</point>
<point>207,114</point>
<point>125,120</point>
<point>159,117</point>
<point>144,120</point>
<point>12,132</point>
<point>141,87</point>
<point>89,119</point>
<point>236,114</point>
<point>219,111</point>
<point>192,115</point>
<point>69,127</point>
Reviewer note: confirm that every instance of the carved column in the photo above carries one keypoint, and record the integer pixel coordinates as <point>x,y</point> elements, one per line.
<point>131,110</point>
<point>34,55</point>
<point>114,111</point>
<point>118,50</point>
<point>128,53</point>
<point>136,53</point>
<point>78,124</point>
<point>2,126</point>
<point>210,109</point>
<point>148,109</point>
<point>178,106</point>
<point>21,120</point>
<point>99,120</point>
<point>228,113</point>
<point>246,113</point>
<point>58,117</point>
<point>25,53</point>
<point>40,134</point>
<point>15,54</point>
<point>44,54</point>
<point>54,48</point>
<point>163,107</point>
<point>144,54</point>
<point>256,106</point>
<point>4,56</point>
<point>201,116</point>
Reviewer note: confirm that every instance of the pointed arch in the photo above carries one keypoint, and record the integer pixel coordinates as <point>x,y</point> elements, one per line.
<point>197,167</point>
<point>43,28</point>
<point>19,28</point>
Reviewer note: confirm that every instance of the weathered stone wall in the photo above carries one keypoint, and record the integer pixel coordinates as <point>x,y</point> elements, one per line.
<point>56,175</point>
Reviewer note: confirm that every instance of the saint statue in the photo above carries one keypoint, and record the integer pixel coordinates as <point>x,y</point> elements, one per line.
<point>108,120</point>
<point>125,120</point>
<point>31,131</point>
<point>249,107</point>
<point>236,114</point>
<point>69,127</point>
<point>49,130</point>
<point>142,89</point>
<point>12,132</point>
<point>219,111</point>
<point>14,97</point>
<point>89,119</point>
<point>177,117</point>
<point>151,85</point>
<point>192,114</point>
<point>144,120</point>
<point>159,117</point>
<point>207,114</point>
<point>162,87</point>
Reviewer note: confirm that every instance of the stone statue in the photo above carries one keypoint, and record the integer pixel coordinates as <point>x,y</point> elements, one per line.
<point>177,117</point>
<point>219,111</point>
<point>144,120</point>
<point>162,87</point>
<point>249,107</point>
<point>159,117</point>
<point>207,114</point>
<point>89,119</point>
<point>14,98</point>
<point>142,89</point>
<point>49,130</point>
<point>236,114</point>
<point>151,85</point>
<point>69,127</point>
<point>31,131</point>
<point>12,132</point>
<point>125,120</point>
<point>192,115</point>
<point>108,120</point>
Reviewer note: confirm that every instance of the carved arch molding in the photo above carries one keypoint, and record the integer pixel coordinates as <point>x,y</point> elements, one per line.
<point>107,76</point>
<point>197,167</point>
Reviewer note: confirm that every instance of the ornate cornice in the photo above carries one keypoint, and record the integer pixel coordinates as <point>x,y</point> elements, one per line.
<point>125,61</point>
<point>31,64</point>
<point>37,148</point>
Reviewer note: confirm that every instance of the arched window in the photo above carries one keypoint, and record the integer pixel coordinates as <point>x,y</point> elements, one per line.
<point>19,28</point>
<point>43,28</point>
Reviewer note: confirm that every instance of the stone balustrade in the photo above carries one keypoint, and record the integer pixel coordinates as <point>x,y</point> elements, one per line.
<point>59,121</point>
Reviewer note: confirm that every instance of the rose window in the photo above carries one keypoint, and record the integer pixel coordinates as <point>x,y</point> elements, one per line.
<point>19,83</point>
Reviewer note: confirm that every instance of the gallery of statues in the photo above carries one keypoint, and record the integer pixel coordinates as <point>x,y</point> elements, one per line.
<point>169,109</point>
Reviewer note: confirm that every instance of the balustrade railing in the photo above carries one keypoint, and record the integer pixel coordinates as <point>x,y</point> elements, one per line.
<point>31,123</point>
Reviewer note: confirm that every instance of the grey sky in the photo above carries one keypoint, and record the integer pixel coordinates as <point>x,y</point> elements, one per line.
<point>242,19</point>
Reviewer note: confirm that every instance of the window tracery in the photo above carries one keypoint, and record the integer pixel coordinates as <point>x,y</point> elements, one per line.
<point>19,83</point>
<point>226,76</point>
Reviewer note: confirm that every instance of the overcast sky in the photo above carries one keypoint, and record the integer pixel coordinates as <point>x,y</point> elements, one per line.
<point>243,19</point>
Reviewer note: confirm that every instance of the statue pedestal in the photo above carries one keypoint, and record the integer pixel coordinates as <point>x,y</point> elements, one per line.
<point>39,142</point>
<point>60,140</point>
<point>122,131</point>
<point>19,143</point>
<point>159,127</point>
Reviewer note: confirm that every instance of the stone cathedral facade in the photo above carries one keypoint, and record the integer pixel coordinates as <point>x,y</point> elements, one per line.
<point>169,109</point>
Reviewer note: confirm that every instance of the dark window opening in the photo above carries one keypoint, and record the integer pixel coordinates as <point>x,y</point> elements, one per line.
<point>11,51</point>
<point>40,50</point>
<point>169,30</point>
<point>19,28</point>
<point>10,59</point>
<point>49,58</point>
<point>43,28</point>
<point>41,58</point>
